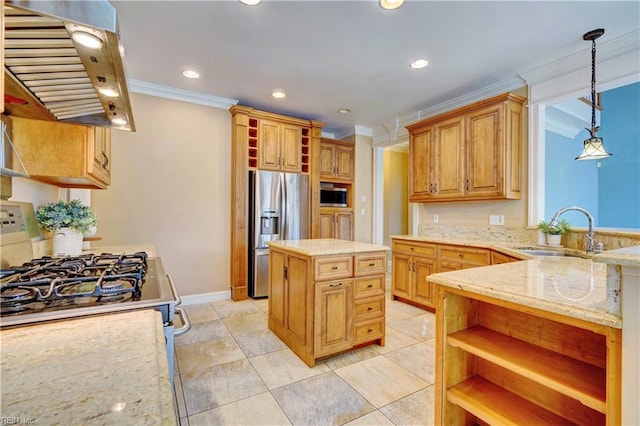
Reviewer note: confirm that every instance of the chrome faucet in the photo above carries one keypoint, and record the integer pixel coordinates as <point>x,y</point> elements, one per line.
<point>592,244</point>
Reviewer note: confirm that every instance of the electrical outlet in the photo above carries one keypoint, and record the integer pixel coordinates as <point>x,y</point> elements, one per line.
<point>361,212</point>
<point>436,218</point>
<point>495,219</point>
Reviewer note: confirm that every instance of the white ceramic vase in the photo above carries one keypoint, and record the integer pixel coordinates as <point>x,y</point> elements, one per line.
<point>67,242</point>
<point>542,238</point>
<point>554,240</point>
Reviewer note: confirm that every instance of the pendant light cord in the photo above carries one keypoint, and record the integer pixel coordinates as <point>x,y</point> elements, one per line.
<point>593,85</point>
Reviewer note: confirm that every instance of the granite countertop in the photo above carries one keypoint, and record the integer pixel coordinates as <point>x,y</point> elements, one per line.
<point>568,286</point>
<point>628,256</point>
<point>326,247</point>
<point>108,369</point>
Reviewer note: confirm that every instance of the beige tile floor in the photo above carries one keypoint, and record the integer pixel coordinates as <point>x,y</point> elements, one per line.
<point>231,370</point>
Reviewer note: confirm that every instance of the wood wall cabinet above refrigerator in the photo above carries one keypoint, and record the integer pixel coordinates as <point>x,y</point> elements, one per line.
<point>66,155</point>
<point>472,153</point>
<point>283,147</point>
<point>337,160</point>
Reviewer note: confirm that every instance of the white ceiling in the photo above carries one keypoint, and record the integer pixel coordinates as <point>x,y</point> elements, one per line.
<point>331,54</point>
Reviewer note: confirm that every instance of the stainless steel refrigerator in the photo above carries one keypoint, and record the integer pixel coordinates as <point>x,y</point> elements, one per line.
<point>278,210</point>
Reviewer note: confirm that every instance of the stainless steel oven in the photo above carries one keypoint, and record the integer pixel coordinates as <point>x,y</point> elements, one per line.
<point>57,288</point>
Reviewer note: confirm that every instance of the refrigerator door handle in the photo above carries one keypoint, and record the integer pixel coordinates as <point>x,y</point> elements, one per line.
<point>284,214</point>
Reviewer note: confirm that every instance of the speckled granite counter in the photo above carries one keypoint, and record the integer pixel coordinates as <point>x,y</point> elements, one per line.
<point>568,286</point>
<point>95,370</point>
<point>326,246</point>
<point>628,256</point>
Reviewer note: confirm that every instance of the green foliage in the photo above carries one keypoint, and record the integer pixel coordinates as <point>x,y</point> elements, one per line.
<point>562,228</point>
<point>61,214</point>
<point>543,226</point>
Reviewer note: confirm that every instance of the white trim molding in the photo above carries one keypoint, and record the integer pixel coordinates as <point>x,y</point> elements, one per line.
<point>160,91</point>
<point>195,299</point>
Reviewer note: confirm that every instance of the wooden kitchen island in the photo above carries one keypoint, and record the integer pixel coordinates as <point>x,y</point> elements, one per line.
<point>326,296</point>
<point>529,342</point>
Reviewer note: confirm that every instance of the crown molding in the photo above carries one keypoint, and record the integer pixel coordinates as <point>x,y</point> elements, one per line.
<point>393,131</point>
<point>581,59</point>
<point>160,91</point>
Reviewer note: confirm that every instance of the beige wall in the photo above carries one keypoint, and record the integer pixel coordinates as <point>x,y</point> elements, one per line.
<point>476,213</point>
<point>363,224</point>
<point>395,204</point>
<point>170,188</point>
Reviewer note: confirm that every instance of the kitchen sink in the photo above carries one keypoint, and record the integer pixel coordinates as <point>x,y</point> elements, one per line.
<point>542,252</point>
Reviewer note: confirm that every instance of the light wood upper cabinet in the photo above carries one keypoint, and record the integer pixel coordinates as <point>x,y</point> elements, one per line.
<point>472,153</point>
<point>337,160</point>
<point>65,155</point>
<point>279,146</point>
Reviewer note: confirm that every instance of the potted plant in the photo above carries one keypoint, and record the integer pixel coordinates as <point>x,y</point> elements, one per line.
<point>543,230</point>
<point>69,221</point>
<point>554,235</point>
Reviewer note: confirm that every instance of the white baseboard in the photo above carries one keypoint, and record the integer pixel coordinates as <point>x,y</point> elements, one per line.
<point>194,299</point>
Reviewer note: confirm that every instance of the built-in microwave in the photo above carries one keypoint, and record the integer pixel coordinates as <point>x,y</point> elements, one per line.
<point>333,197</point>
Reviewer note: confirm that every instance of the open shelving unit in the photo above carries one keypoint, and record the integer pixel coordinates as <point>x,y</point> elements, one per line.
<point>498,362</point>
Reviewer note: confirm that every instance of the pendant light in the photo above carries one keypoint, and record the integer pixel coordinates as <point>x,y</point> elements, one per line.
<point>593,148</point>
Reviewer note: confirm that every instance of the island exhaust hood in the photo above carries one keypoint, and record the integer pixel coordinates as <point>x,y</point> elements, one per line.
<point>63,62</point>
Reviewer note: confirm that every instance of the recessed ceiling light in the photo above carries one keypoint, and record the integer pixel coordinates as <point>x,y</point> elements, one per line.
<point>250,2</point>
<point>87,39</point>
<point>109,92</point>
<point>419,64</point>
<point>190,73</point>
<point>344,110</point>
<point>278,94</point>
<point>391,4</point>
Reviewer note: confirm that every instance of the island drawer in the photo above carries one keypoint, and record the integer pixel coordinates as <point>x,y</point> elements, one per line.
<point>414,248</point>
<point>333,267</point>
<point>371,264</point>
<point>368,286</point>
<point>465,255</point>
<point>367,331</point>
<point>370,307</point>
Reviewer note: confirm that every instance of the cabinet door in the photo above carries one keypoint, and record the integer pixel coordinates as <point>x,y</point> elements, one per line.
<point>420,165</point>
<point>327,163</point>
<point>290,148</point>
<point>99,153</point>
<point>277,264</point>
<point>344,225</point>
<point>401,275</point>
<point>423,292</point>
<point>485,152</point>
<point>344,159</point>
<point>269,146</point>
<point>333,317</point>
<point>327,225</point>
<point>448,161</point>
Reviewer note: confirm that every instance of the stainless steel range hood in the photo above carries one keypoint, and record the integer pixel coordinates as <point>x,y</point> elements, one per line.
<point>50,75</point>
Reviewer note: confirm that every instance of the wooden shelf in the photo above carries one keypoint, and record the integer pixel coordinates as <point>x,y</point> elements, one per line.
<point>576,379</point>
<point>495,405</point>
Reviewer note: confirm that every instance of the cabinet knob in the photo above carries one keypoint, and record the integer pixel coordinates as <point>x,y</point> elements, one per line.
<point>372,264</point>
<point>370,330</point>
<point>467,184</point>
<point>436,186</point>
<point>370,286</point>
<point>369,308</point>
<point>335,285</point>
<point>430,189</point>
<point>334,268</point>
